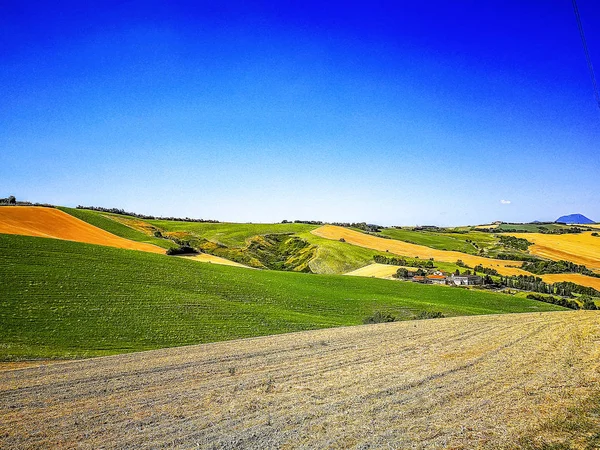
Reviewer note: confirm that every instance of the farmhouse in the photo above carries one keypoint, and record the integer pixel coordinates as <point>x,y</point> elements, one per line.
<point>437,278</point>
<point>465,280</point>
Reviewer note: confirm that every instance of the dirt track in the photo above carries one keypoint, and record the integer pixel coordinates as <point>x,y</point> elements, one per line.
<point>53,223</point>
<point>465,382</point>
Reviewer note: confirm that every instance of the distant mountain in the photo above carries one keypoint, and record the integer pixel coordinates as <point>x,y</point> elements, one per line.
<point>574,218</point>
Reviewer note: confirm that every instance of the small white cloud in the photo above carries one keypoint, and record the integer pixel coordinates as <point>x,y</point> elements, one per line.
<point>505,202</point>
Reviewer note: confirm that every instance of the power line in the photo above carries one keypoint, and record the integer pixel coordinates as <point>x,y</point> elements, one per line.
<point>587,53</point>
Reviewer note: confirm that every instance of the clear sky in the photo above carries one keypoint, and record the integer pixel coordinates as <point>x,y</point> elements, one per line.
<point>389,112</point>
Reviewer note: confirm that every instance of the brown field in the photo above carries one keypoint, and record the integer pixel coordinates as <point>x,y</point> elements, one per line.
<point>377,270</point>
<point>580,248</point>
<point>411,250</point>
<point>461,383</point>
<point>53,223</point>
<point>206,258</point>
<point>576,278</point>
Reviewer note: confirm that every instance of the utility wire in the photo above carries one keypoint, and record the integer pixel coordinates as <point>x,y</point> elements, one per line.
<point>587,53</point>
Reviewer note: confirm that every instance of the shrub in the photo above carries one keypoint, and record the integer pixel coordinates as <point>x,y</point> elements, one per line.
<point>183,250</point>
<point>588,303</point>
<point>428,315</point>
<point>379,317</point>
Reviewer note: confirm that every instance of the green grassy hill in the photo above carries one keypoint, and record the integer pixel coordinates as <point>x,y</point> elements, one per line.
<point>242,242</point>
<point>65,299</point>
<point>471,242</point>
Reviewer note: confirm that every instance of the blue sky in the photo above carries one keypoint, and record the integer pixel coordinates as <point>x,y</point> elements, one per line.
<point>386,112</point>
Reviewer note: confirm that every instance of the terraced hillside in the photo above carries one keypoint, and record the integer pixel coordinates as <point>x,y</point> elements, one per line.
<point>64,299</point>
<point>488,382</point>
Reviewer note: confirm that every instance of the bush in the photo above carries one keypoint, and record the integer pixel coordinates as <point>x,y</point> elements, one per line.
<point>183,250</point>
<point>379,317</point>
<point>588,303</point>
<point>429,315</point>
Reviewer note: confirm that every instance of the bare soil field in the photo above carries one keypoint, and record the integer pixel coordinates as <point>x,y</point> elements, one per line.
<point>53,223</point>
<point>503,381</point>
<point>411,250</point>
<point>377,270</point>
<point>580,248</point>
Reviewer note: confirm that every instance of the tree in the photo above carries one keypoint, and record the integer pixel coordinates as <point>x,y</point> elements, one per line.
<point>12,200</point>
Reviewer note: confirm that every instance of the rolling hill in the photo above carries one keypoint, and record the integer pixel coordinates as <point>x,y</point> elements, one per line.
<point>63,299</point>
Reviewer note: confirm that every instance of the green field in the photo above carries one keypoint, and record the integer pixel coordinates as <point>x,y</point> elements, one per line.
<point>63,299</point>
<point>445,241</point>
<point>535,227</point>
<point>230,234</point>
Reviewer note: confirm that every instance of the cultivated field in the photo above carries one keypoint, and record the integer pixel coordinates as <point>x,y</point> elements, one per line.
<point>206,258</point>
<point>582,248</point>
<point>377,271</point>
<point>53,223</point>
<point>488,382</point>
<point>576,278</point>
<point>412,250</point>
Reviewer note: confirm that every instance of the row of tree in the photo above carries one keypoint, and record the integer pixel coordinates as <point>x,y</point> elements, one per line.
<point>394,261</point>
<point>143,216</point>
<point>541,267</point>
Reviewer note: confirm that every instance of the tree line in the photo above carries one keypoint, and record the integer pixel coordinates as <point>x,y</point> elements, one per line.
<point>143,216</point>
<point>541,267</point>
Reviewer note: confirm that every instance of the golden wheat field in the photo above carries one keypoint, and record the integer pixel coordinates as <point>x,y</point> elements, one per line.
<point>53,223</point>
<point>582,248</point>
<point>206,258</point>
<point>504,267</point>
<point>466,382</point>
<point>576,278</point>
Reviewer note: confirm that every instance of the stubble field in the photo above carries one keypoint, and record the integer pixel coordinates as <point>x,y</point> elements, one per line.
<point>507,381</point>
<point>582,248</point>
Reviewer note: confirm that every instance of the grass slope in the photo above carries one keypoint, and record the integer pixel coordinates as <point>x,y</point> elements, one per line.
<point>445,241</point>
<point>230,234</point>
<point>66,299</point>
<point>103,220</point>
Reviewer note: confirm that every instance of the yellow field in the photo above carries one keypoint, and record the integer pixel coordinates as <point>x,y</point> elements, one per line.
<point>483,382</point>
<point>574,278</point>
<point>377,271</point>
<point>53,223</point>
<point>206,258</point>
<point>411,250</point>
<point>580,248</point>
